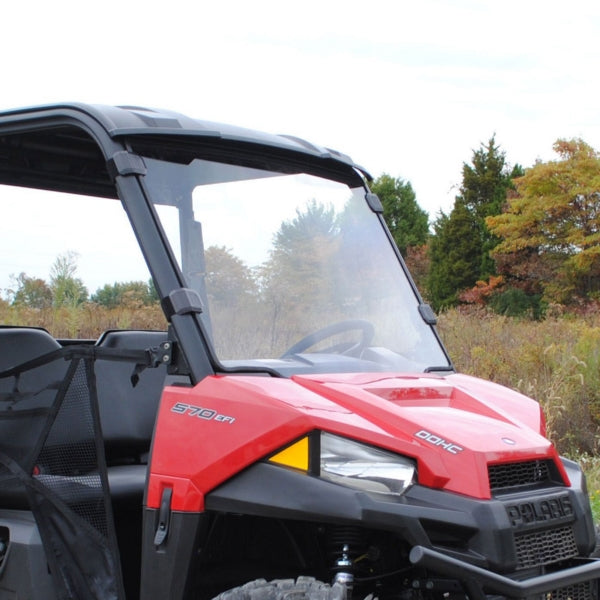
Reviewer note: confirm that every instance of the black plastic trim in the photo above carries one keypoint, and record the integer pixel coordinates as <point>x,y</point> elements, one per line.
<point>476,531</point>
<point>167,569</point>
<point>182,301</point>
<point>427,314</point>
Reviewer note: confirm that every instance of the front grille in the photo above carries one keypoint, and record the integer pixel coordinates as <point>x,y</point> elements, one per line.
<point>580,591</point>
<point>545,547</point>
<point>513,475</point>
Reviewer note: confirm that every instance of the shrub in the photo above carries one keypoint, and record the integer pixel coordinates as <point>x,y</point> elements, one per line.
<point>514,302</point>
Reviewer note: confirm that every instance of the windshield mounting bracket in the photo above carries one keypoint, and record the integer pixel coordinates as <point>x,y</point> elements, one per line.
<point>182,301</point>
<point>125,163</point>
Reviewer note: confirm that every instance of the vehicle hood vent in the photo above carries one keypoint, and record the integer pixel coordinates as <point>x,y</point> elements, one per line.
<point>507,477</point>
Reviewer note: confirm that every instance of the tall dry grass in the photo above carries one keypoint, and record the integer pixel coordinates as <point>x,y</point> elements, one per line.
<point>555,361</point>
<point>85,321</point>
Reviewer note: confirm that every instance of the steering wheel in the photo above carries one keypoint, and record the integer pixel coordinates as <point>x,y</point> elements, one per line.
<point>368,331</point>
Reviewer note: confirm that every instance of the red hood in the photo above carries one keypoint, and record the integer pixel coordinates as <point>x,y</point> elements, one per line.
<point>453,426</point>
<point>466,422</point>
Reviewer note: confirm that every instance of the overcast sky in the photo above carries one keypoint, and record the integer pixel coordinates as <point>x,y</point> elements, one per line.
<point>407,88</point>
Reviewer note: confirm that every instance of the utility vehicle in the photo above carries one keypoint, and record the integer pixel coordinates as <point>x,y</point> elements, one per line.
<point>282,421</point>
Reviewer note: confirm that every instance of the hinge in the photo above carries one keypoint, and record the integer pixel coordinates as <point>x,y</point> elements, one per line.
<point>161,354</point>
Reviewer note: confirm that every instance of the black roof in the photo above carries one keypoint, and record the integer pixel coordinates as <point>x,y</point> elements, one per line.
<point>58,146</point>
<point>120,121</point>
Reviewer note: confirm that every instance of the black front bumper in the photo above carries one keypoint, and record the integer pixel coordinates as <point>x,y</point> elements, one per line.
<point>479,582</point>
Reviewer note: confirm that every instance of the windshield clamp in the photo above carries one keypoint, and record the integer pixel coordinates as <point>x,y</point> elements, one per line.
<point>374,202</point>
<point>125,163</point>
<point>427,314</point>
<point>182,301</point>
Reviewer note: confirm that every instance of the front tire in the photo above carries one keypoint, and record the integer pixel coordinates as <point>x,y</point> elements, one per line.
<point>304,588</point>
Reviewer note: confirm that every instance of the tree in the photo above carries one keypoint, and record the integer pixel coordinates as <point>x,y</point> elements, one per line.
<point>418,261</point>
<point>228,279</point>
<point>67,290</point>
<point>407,222</point>
<point>486,182</point>
<point>315,221</point>
<point>550,230</point>
<point>461,255</point>
<point>302,249</point>
<point>125,293</point>
<point>32,292</point>
<point>455,253</point>
<point>299,280</point>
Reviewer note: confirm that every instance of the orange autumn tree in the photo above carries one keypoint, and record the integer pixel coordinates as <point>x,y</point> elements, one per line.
<point>550,229</point>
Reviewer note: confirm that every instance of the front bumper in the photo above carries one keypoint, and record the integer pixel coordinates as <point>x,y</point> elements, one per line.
<point>480,582</point>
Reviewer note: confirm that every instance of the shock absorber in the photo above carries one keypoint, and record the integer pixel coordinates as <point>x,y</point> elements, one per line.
<point>345,543</point>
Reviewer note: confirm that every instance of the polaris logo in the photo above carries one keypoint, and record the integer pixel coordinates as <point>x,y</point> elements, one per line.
<point>540,511</point>
<point>436,440</point>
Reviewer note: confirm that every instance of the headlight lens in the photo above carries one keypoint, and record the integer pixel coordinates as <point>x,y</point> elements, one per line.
<point>363,467</point>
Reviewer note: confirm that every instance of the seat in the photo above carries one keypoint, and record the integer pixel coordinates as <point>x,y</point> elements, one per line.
<point>127,413</point>
<point>32,390</point>
<point>27,411</point>
<point>21,344</point>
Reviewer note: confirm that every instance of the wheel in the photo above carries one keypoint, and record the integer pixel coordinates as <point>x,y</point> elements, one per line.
<point>304,588</point>
<point>343,348</point>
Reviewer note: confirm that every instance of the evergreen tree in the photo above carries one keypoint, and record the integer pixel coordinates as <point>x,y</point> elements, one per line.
<point>406,220</point>
<point>455,252</point>
<point>484,188</point>
<point>462,255</point>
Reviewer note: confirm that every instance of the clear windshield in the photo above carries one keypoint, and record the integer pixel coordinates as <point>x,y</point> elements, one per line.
<point>295,270</point>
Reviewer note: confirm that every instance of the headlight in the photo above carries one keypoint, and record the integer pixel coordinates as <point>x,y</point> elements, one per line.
<point>363,467</point>
<point>349,463</point>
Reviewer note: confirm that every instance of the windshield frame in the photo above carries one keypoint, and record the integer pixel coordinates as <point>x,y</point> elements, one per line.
<point>274,162</point>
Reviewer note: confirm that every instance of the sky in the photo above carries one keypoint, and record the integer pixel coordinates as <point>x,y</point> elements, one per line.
<point>411,89</point>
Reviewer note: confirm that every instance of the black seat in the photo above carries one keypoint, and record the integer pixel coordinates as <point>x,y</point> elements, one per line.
<point>127,416</point>
<point>127,413</point>
<point>27,397</point>
<point>21,344</point>
<point>30,390</point>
